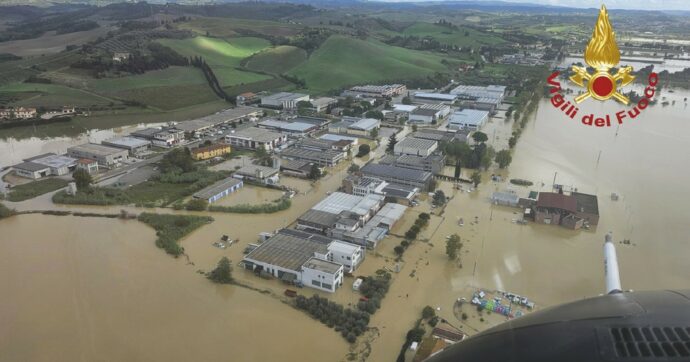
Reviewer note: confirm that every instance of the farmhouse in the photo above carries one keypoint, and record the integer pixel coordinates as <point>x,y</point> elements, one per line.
<point>284,100</point>
<point>469,119</point>
<point>415,146</point>
<point>255,138</point>
<point>135,146</point>
<point>299,257</point>
<point>209,152</point>
<point>219,190</point>
<point>571,211</point>
<point>104,155</point>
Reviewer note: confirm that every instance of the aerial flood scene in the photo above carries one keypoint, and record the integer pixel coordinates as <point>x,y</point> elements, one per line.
<point>344,181</point>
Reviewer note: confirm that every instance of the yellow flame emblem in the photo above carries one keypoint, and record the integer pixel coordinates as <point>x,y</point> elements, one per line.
<point>602,54</point>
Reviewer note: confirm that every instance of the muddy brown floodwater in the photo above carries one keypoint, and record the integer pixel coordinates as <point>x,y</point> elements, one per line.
<point>86,288</point>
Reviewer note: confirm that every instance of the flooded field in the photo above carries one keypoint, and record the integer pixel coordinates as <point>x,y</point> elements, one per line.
<point>95,289</point>
<point>128,300</point>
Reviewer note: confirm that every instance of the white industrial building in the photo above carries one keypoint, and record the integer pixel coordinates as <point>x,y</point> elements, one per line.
<point>375,229</point>
<point>355,126</point>
<point>48,164</point>
<point>293,128</point>
<point>434,97</point>
<point>347,254</point>
<point>470,119</point>
<point>262,174</point>
<point>255,138</point>
<point>219,190</point>
<point>166,137</point>
<point>104,155</point>
<point>363,206</point>
<point>475,92</point>
<point>415,146</point>
<point>304,259</point>
<point>284,100</point>
<point>429,113</point>
<point>135,146</point>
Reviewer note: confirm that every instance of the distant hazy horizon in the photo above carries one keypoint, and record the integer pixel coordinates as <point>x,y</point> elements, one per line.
<point>611,4</point>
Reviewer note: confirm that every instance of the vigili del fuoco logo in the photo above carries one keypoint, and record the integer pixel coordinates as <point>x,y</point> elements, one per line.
<point>601,54</point>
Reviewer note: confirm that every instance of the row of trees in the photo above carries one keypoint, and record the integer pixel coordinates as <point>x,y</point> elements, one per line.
<point>211,78</point>
<point>350,323</point>
<point>411,234</point>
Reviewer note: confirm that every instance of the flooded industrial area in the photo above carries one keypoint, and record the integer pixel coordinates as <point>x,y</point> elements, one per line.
<point>121,297</point>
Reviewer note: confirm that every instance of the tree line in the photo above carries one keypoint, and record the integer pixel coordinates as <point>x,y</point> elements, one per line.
<point>211,78</point>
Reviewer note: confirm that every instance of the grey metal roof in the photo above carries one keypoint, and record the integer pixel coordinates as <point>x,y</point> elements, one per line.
<point>396,172</point>
<point>43,155</point>
<point>287,251</point>
<point>55,161</point>
<point>365,124</point>
<point>217,188</point>
<point>424,112</point>
<point>418,143</point>
<point>303,153</point>
<point>439,96</point>
<point>30,166</point>
<point>127,142</point>
<point>283,96</point>
<point>469,117</point>
<point>98,150</point>
<point>289,126</point>
<point>318,217</point>
<point>251,170</point>
<point>257,134</point>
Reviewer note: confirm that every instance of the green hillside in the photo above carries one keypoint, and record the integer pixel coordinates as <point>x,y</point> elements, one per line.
<point>223,56</point>
<point>277,60</point>
<point>343,61</point>
<point>462,37</point>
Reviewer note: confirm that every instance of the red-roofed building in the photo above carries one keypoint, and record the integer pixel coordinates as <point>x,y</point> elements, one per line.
<point>570,211</point>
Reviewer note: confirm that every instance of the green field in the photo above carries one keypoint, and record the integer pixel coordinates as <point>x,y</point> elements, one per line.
<point>35,188</point>
<point>462,37</point>
<point>343,61</point>
<point>277,60</point>
<point>228,27</point>
<point>51,95</point>
<point>223,56</point>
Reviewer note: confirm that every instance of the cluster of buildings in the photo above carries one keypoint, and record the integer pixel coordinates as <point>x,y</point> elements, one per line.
<point>375,91</point>
<point>360,127</point>
<point>18,113</point>
<point>303,258</point>
<point>486,98</point>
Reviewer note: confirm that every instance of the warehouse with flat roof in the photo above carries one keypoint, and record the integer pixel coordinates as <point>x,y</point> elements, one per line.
<point>135,146</point>
<point>104,155</point>
<point>415,146</point>
<point>284,100</point>
<point>470,119</point>
<point>255,138</point>
<point>219,190</point>
<point>399,175</point>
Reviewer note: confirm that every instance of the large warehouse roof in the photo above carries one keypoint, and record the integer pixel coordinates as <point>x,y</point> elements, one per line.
<point>288,250</point>
<point>338,202</point>
<point>400,173</point>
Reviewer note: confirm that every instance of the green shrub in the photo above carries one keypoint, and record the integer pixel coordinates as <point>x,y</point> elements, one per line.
<point>171,228</point>
<point>5,211</point>
<point>279,205</point>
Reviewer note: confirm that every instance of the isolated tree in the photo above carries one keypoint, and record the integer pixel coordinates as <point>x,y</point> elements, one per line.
<point>363,150</point>
<point>503,158</point>
<point>476,178</point>
<point>315,172</point>
<point>353,168</point>
<point>480,137</point>
<point>222,273</point>
<point>414,128</point>
<point>428,312</point>
<point>487,157</point>
<point>399,250</point>
<point>82,178</point>
<point>453,245</point>
<point>439,198</point>
<point>392,141</point>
